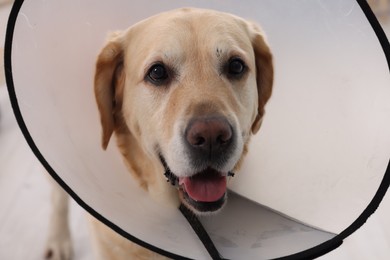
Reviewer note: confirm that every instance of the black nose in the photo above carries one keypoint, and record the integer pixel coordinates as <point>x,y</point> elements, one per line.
<point>209,137</point>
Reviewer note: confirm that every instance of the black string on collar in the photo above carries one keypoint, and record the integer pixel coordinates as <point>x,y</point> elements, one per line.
<point>191,218</point>
<point>200,232</point>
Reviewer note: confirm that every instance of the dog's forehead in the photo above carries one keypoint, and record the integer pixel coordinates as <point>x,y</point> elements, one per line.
<point>191,17</point>
<point>184,33</point>
<point>193,27</point>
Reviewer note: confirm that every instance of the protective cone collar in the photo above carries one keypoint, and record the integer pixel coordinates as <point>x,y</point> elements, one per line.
<point>317,170</point>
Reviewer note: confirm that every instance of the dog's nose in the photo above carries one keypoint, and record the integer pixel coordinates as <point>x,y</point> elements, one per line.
<point>209,135</point>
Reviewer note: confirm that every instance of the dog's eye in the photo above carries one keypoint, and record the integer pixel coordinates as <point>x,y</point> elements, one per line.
<point>157,74</point>
<point>236,67</point>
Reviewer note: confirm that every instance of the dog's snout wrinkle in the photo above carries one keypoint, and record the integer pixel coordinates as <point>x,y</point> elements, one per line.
<point>209,138</point>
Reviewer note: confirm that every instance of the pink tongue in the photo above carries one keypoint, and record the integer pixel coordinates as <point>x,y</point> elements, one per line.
<point>204,188</point>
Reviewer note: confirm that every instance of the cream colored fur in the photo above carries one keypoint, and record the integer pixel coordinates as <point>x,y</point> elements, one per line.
<point>149,120</point>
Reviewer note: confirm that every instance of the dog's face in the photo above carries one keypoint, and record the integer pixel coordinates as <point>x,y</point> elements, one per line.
<point>186,89</point>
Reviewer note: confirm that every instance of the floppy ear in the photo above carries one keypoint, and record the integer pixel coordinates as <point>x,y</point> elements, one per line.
<point>109,81</point>
<point>264,72</point>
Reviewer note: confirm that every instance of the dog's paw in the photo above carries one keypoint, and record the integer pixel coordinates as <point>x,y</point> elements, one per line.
<point>59,249</point>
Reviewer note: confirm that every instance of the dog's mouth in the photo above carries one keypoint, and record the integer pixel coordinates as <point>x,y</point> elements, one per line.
<point>202,192</point>
<point>206,186</point>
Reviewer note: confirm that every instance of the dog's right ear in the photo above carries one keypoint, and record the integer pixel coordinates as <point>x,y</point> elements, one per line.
<point>109,82</point>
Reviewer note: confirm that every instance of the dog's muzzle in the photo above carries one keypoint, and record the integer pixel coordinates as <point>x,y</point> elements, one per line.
<point>209,142</point>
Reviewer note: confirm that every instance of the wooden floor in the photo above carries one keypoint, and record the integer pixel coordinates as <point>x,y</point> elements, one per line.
<point>25,204</point>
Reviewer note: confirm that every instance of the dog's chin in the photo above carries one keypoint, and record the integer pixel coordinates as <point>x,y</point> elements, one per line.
<point>205,192</point>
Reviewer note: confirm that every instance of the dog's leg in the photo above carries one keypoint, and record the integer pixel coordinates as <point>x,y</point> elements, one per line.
<point>59,244</point>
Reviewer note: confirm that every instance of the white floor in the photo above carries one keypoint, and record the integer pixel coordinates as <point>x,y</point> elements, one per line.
<point>25,197</point>
<point>25,205</point>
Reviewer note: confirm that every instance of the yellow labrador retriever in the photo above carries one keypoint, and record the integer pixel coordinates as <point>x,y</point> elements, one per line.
<point>183,92</point>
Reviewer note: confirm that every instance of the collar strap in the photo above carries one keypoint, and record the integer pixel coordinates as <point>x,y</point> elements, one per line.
<point>200,232</point>
<point>191,218</point>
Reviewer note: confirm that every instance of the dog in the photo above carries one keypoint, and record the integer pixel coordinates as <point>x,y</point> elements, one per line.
<point>182,91</point>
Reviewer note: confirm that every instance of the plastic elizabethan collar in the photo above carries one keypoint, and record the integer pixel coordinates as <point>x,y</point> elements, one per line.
<point>320,158</point>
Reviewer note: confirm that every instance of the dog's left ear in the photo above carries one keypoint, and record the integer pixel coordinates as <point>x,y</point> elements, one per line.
<point>264,72</point>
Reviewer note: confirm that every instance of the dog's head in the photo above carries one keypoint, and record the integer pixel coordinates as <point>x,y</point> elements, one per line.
<point>185,90</point>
